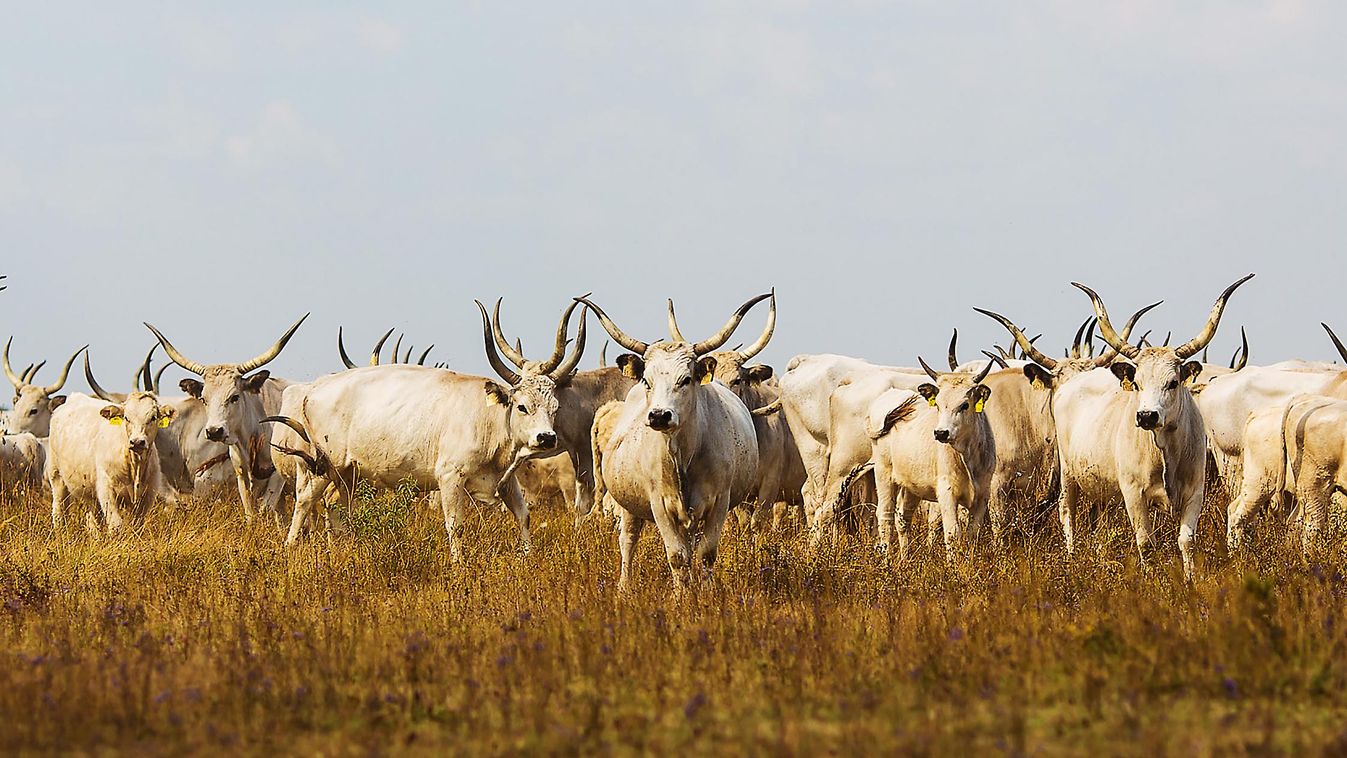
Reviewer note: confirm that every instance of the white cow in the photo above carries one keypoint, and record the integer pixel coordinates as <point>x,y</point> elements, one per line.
<point>23,458</point>
<point>33,404</point>
<point>683,449</point>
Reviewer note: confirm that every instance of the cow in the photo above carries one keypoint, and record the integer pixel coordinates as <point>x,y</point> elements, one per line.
<point>102,451</point>
<point>578,399</point>
<point>780,470</point>
<point>236,400</point>
<point>23,458</point>
<point>34,403</point>
<point>941,451</point>
<point>683,450</point>
<point>1138,433</point>
<point>1293,449</point>
<point>461,435</point>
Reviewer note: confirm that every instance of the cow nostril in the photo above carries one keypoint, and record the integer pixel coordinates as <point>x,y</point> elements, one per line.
<point>660,418</point>
<point>547,440</point>
<point>1147,419</point>
<point>215,433</point>
<point>942,435</point>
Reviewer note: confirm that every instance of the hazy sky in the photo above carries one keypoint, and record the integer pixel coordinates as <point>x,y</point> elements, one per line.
<point>220,170</point>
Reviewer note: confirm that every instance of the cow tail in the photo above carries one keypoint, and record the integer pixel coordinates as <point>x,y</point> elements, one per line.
<point>850,479</point>
<point>316,461</point>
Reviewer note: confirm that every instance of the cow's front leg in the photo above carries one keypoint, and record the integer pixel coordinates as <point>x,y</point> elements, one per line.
<point>107,502</point>
<point>709,544</point>
<point>676,544</point>
<point>244,481</point>
<point>1192,510</point>
<point>628,536</point>
<point>519,507</point>
<point>453,496</point>
<point>1138,505</point>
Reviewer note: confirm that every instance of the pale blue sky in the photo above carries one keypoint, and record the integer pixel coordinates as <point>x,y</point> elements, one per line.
<point>220,169</point>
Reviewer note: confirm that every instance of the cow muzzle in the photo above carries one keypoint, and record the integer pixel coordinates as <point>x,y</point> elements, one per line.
<point>138,444</point>
<point>942,435</point>
<point>545,440</point>
<point>660,419</point>
<point>215,433</point>
<point>1148,419</point>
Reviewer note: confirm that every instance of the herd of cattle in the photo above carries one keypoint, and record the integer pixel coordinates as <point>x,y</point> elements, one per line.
<point>680,432</point>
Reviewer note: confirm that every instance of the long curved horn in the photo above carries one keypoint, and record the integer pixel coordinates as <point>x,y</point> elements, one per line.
<point>52,389</point>
<point>30,373</point>
<point>562,374</point>
<point>627,341</point>
<point>987,369</point>
<point>603,355</point>
<point>1192,346</point>
<point>1342,351</point>
<point>1145,340</point>
<point>675,333</point>
<point>159,375</point>
<point>341,350</point>
<point>492,356</point>
<point>721,337</point>
<point>935,375</point>
<point>422,360</point>
<point>1023,341</point>
<point>1105,326</point>
<point>513,354</point>
<point>1074,352</point>
<point>293,424</point>
<point>172,352</point>
<point>143,374</point>
<point>15,380</point>
<point>549,367</point>
<point>407,356</point>
<point>93,384</point>
<point>379,347</point>
<point>1004,354</point>
<point>1241,357</point>
<point>953,345</point>
<point>273,351</point>
<point>767,331</point>
<point>397,345</point>
<point>994,358</point>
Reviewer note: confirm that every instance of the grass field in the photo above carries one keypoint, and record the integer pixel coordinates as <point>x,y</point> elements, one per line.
<point>198,633</point>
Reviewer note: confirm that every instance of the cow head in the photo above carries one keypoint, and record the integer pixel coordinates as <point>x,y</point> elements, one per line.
<point>672,373</point>
<point>229,390</point>
<point>139,414</point>
<point>33,403</point>
<point>530,400</point>
<point>1049,373</point>
<point>960,399</point>
<point>1159,375</point>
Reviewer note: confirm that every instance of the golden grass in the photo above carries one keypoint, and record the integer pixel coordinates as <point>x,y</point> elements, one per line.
<point>199,634</point>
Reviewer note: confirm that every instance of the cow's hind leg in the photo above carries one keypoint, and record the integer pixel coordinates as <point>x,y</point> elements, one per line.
<point>1315,499</point>
<point>453,496</point>
<point>59,494</point>
<point>709,543</point>
<point>309,491</point>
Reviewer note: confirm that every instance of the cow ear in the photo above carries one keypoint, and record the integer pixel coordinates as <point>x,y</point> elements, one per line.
<point>1190,371</point>
<point>254,383</point>
<point>166,414</point>
<point>978,395</point>
<point>1126,373</point>
<point>192,387</point>
<point>759,373</point>
<point>928,391</point>
<point>706,370</point>
<point>55,402</point>
<point>633,366</point>
<point>1038,376</point>
<point>113,413</point>
<point>496,393</point>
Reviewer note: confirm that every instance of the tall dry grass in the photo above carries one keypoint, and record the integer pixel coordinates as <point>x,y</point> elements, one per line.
<point>196,633</point>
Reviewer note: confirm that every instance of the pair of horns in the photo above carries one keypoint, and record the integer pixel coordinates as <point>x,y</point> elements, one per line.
<point>677,335</point>
<point>143,377</point>
<point>1186,350</point>
<point>559,367</point>
<point>378,348</point>
<point>20,381</point>
<point>243,368</point>
<point>1037,356</point>
<point>700,348</point>
<point>935,375</point>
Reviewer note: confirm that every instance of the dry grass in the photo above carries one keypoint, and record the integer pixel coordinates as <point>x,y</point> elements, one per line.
<point>199,634</point>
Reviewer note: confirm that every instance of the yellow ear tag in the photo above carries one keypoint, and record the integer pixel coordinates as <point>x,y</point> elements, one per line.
<point>931,402</point>
<point>706,378</point>
<point>115,421</point>
<point>1037,384</point>
<point>1128,386</point>
<point>979,405</point>
<point>164,422</point>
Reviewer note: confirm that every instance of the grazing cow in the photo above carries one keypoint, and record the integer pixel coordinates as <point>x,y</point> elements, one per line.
<point>942,452</point>
<point>780,470</point>
<point>683,450</point>
<point>103,452</point>
<point>461,435</point>
<point>33,404</point>
<point>236,401</point>
<point>23,458</point>
<point>578,399</point>
<point>1293,449</point>
<point>1140,435</point>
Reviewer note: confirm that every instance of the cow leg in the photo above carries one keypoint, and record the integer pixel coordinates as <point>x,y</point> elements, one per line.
<point>1192,510</point>
<point>271,498</point>
<point>1255,494</point>
<point>1066,512</point>
<point>1315,499</point>
<point>519,507</point>
<point>244,482</point>
<point>453,496</point>
<point>708,545</point>
<point>676,544</point>
<point>949,517</point>
<point>309,491</point>
<point>59,494</point>
<point>906,504</point>
<point>886,500</point>
<point>628,536</point>
<point>1138,505</point>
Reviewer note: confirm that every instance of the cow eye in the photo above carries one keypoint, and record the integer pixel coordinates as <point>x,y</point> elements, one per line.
<point>32,412</point>
<point>963,407</point>
<point>685,381</point>
<point>1173,384</point>
<point>521,409</point>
